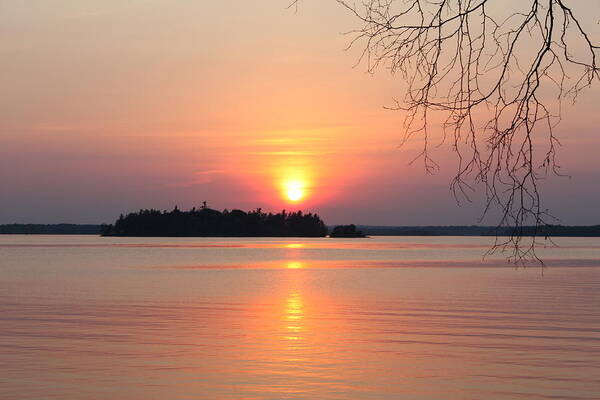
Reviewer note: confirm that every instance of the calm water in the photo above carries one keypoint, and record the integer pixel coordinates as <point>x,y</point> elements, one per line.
<point>380,318</point>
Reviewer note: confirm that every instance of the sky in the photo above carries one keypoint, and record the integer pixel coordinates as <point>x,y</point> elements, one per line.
<point>111,106</point>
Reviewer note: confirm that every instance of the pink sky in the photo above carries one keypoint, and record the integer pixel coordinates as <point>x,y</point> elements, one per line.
<point>112,106</point>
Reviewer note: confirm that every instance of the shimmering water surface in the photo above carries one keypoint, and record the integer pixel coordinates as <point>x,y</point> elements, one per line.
<point>85,317</point>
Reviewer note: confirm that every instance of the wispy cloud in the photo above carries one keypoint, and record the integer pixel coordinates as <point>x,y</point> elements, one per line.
<point>288,153</point>
<point>202,177</point>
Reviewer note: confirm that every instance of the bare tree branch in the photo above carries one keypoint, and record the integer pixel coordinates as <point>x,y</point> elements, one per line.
<point>496,79</point>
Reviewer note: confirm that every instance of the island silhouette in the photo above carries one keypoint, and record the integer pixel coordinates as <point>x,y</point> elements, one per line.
<point>208,222</point>
<point>346,231</point>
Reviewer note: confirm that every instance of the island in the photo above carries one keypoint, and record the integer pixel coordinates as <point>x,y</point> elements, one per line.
<point>346,231</point>
<point>207,222</point>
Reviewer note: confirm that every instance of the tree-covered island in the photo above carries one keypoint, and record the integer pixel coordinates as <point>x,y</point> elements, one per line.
<point>346,231</point>
<point>208,222</point>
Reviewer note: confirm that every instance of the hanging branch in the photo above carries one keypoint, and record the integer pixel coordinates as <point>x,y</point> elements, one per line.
<point>493,77</point>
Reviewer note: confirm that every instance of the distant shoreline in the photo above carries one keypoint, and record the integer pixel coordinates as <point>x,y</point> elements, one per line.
<point>50,229</point>
<point>473,230</point>
<point>370,230</point>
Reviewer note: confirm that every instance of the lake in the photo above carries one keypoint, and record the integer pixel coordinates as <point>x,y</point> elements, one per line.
<point>84,317</point>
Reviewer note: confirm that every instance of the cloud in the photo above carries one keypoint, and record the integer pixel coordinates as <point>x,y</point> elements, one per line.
<point>289,153</point>
<point>202,177</point>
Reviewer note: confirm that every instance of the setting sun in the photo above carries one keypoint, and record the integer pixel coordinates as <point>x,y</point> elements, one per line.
<point>294,190</point>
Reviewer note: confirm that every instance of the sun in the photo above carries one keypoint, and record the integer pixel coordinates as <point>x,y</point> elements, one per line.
<point>294,190</point>
<point>295,194</point>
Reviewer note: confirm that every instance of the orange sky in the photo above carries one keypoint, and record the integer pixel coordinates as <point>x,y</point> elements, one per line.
<point>112,106</point>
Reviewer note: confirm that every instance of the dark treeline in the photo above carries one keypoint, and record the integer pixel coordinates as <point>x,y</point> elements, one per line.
<point>553,230</point>
<point>550,230</point>
<point>49,229</point>
<point>209,222</point>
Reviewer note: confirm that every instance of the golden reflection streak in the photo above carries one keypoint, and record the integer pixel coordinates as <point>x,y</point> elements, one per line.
<point>294,316</point>
<point>294,265</point>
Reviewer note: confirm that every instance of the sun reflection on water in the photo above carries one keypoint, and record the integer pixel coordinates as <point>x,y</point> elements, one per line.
<point>294,265</point>
<point>294,316</point>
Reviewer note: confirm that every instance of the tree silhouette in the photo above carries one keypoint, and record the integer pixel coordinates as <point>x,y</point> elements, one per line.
<point>209,222</point>
<point>495,75</point>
